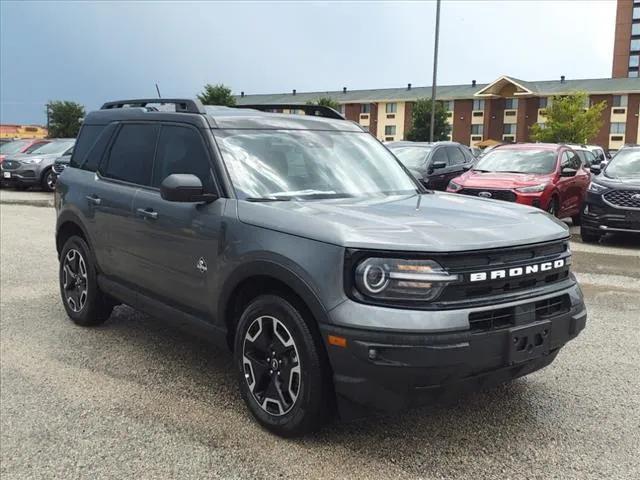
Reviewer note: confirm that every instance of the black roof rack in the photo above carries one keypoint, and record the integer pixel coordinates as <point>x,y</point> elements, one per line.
<point>183,105</point>
<point>315,110</point>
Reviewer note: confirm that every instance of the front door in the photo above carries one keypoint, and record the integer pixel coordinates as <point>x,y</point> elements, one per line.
<point>178,242</point>
<point>438,178</point>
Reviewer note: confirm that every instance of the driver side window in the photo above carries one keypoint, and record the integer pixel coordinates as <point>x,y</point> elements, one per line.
<point>570,160</point>
<point>440,155</point>
<point>181,150</point>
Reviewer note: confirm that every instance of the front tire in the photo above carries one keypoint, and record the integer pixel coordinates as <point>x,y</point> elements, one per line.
<point>553,207</point>
<point>282,373</point>
<point>48,182</point>
<point>84,302</point>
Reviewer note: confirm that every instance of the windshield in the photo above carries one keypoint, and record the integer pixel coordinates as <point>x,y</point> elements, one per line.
<point>55,147</point>
<point>13,147</point>
<point>626,163</point>
<point>280,165</point>
<point>411,157</point>
<point>518,161</point>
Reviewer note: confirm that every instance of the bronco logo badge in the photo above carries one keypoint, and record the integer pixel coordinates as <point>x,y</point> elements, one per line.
<point>201,265</point>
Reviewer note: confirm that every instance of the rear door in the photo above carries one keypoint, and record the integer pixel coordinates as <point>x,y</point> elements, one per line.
<point>126,166</point>
<point>177,243</point>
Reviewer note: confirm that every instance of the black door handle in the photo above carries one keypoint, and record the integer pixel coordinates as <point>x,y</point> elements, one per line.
<point>147,213</point>
<point>94,199</point>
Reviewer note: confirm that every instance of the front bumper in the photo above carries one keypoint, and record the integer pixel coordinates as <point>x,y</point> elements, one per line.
<point>385,371</point>
<point>600,217</point>
<point>26,174</point>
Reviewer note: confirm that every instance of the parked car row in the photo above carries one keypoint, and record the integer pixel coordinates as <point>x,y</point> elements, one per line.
<point>564,180</point>
<point>27,163</point>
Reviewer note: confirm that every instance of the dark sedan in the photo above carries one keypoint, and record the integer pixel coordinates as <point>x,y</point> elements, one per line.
<point>435,164</point>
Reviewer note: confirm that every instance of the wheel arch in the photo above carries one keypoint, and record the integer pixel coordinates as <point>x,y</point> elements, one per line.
<point>69,224</point>
<point>262,277</point>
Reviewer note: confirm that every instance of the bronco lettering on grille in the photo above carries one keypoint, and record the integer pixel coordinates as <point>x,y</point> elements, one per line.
<point>517,271</point>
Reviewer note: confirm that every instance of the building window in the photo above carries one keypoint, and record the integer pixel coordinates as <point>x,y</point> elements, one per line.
<point>633,74</point>
<point>635,44</point>
<point>391,107</point>
<point>477,130</point>
<point>390,129</point>
<point>634,60</point>
<point>619,100</point>
<point>635,29</point>
<point>542,125</point>
<point>365,108</point>
<point>543,102</point>
<point>509,129</point>
<point>511,104</point>
<point>617,128</point>
<point>478,105</point>
<point>448,105</point>
<point>636,13</point>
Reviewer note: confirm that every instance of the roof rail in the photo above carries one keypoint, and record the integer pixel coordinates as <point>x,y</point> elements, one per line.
<point>315,110</point>
<point>183,105</point>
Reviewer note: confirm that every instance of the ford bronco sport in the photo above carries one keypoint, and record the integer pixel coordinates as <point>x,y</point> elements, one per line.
<point>302,244</point>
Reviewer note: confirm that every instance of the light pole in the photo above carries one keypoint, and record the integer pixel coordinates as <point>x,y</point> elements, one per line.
<point>435,72</point>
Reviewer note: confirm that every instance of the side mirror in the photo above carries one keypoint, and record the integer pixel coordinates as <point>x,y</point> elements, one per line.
<point>184,187</point>
<point>467,166</point>
<point>568,172</point>
<point>437,165</point>
<point>595,169</point>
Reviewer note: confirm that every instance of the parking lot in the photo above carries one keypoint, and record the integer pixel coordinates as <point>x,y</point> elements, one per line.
<point>138,399</point>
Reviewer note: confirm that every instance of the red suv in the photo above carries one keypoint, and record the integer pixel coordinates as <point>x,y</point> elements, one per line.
<point>547,176</point>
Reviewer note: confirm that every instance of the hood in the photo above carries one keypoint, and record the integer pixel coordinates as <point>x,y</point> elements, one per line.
<point>475,179</point>
<point>622,182</point>
<point>20,156</point>
<point>435,222</point>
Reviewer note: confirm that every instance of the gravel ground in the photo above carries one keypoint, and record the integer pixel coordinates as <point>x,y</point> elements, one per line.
<point>137,399</point>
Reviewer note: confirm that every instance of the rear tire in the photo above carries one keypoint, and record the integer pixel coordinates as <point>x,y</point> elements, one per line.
<point>589,236</point>
<point>282,373</point>
<point>84,302</point>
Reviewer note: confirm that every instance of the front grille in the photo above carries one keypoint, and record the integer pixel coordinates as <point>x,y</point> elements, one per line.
<point>519,315</point>
<point>10,165</point>
<point>506,195</point>
<point>623,198</point>
<point>465,264</point>
<point>59,167</point>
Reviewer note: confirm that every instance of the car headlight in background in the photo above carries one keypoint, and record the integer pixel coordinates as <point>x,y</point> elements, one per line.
<point>533,188</point>
<point>401,279</point>
<point>454,186</point>
<point>596,188</point>
<point>29,161</point>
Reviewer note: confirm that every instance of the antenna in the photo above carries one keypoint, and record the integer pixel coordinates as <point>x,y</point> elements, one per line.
<point>158,90</point>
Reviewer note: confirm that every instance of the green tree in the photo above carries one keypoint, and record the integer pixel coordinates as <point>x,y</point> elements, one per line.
<point>421,122</point>
<point>568,121</point>
<point>217,95</point>
<point>325,102</point>
<point>64,118</point>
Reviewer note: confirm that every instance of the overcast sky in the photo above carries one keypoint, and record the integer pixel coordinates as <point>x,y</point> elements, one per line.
<point>91,52</point>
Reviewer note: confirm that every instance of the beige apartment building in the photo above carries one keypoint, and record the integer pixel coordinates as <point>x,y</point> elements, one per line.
<point>502,110</point>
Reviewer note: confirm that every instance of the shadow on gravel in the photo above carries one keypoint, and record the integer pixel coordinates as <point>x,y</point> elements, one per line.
<point>149,352</point>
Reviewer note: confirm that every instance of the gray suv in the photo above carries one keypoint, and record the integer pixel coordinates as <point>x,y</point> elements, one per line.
<point>24,170</point>
<point>339,283</point>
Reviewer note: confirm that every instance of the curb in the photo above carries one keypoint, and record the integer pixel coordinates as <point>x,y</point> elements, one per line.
<point>31,203</point>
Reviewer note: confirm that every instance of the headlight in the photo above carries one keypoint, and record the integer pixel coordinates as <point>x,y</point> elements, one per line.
<point>31,160</point>
<point>400,279</point>
<point>596,188</point>
<point>454,186</point>
<point>533,188</point>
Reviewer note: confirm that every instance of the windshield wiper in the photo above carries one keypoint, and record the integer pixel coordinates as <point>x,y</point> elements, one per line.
<point>268,199</point>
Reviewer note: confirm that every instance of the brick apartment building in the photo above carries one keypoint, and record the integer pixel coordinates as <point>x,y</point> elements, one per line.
<point>504,109</point>
<point>626,48</point>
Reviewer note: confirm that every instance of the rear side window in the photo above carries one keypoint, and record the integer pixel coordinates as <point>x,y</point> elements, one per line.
<point>181,150</point>
<point>131,155</point>
<point>86,139</point>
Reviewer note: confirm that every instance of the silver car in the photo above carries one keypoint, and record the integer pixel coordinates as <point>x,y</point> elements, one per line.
<point>24,170</point>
